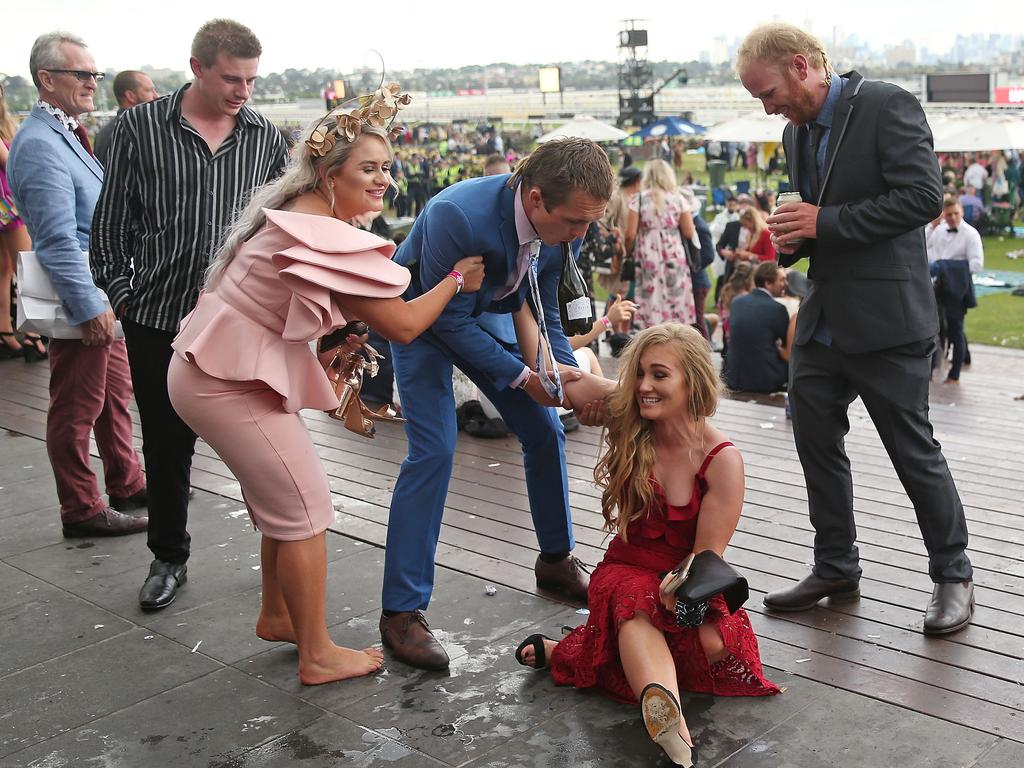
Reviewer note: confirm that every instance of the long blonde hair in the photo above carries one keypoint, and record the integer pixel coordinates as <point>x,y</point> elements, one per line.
<point>625,470</point>
<point>302,175</point>
<point>7,125</point>
<point>659,179</point>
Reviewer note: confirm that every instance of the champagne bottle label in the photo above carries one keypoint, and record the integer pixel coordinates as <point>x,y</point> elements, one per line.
<point>578,309</point>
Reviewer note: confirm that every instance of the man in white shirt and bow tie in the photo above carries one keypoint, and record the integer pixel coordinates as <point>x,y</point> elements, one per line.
<point>951,239</point>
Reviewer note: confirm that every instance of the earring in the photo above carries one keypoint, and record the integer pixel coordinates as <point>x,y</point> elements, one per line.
<point>332,197</point>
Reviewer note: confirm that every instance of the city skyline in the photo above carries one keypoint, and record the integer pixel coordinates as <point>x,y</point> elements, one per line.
<point>409,39</point>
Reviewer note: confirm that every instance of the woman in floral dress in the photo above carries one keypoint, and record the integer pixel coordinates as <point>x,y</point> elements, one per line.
<point>672,484</point>
<point>659,221</point>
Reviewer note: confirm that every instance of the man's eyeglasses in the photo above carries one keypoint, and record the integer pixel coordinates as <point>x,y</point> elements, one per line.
<point>81,74</point>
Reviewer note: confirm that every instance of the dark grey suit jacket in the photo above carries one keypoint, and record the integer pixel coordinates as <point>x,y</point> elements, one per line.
<point>881,185</point>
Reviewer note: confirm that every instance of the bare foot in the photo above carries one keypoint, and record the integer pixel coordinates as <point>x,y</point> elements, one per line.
<point>530,658</point>
<point>276,629</point>
<point>588,388</point>
<point>340,664</point>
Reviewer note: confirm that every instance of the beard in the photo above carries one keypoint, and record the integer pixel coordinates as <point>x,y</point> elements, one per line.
<point>802,104</point>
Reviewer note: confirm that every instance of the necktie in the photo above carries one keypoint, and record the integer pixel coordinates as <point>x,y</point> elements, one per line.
<point>952,230</point>
<point>552,383</point>
<point>83,137</point>
<point>521,268</point>
<point>814,139</point>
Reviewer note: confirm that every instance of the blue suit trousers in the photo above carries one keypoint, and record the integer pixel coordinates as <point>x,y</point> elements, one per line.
<point>423,372</point>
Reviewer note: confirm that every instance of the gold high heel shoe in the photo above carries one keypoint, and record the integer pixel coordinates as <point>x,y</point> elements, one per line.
<point>346,372</point>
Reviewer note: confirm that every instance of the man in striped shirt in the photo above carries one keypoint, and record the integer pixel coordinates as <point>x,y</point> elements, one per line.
<point>180,167</point>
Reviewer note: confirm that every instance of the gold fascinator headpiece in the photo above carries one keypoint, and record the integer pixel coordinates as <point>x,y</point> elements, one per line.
<point>378,109</point>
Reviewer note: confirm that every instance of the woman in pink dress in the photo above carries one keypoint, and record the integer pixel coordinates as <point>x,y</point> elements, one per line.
<point>290,271</point>
<point>659,220</point>
<point>13,238</point>
<point>672,484</point>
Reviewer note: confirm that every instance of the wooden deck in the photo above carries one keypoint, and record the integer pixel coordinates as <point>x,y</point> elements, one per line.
<point>873,647</point>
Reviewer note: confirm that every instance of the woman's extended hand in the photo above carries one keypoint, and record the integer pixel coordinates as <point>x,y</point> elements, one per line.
<point>621,311</point>
<point>472,270</point>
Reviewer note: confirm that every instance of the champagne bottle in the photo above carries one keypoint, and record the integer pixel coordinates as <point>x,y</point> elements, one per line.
<point>574,302</point>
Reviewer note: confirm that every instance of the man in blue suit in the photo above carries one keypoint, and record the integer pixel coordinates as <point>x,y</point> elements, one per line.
<point>517,223</point>
<point>56,180</point>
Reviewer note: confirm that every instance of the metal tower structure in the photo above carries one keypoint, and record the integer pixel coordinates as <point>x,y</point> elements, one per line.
<point>636,77</point>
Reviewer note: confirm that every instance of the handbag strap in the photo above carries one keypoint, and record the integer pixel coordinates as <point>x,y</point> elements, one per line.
<point>711,454</point>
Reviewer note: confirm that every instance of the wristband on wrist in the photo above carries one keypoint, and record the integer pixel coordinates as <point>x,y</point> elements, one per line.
<point>460,281</point>
<point>607,323</point>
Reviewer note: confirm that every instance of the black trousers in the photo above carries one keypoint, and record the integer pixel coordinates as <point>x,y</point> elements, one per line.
<point>893,384</point>
<point>167,442</point>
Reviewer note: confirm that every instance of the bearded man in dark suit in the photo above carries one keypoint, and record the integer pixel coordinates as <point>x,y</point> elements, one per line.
<point>861,155</point>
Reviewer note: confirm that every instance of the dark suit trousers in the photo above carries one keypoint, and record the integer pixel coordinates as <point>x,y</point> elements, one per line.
<point>167,442</point>
<point>955,333</point>
<point>893,384</point>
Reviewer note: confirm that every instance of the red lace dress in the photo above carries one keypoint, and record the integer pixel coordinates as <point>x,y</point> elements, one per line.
<point>627,581</point>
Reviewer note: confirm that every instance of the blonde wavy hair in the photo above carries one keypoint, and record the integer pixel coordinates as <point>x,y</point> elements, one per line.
<point>625,470</point>
<point>302,175</point>
<point>659,179</point>
<point>776,43</point>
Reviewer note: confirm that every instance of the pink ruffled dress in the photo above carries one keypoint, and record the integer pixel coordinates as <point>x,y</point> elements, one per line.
<point>627,581</point>
<point>244,366</point>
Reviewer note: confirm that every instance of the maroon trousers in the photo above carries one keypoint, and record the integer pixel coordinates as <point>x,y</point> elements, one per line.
<point>90,388</point>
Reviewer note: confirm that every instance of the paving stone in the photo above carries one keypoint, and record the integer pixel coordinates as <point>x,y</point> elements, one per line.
<point>39,622</point>
<point>329,742</point>
<point>30,530</point>
<point>485,700</point>
<point>73,690</point>
<point>843,730</point>
<point>213,721</point>
<point>598,731</point>
<point>1004,754</point>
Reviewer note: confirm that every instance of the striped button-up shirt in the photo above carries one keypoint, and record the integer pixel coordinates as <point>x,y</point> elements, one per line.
<point>166,203</point>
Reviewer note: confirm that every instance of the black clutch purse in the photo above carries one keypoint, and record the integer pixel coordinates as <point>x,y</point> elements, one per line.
<point>710,575</point>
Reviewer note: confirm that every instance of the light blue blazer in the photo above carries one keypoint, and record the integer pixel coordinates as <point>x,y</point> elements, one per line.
<point>55,184</point>
<point>477,218</point>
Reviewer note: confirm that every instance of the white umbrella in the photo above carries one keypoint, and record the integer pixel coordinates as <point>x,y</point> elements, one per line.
<point>978,134</point>
<point>756,126</point>
<point>585,127</point>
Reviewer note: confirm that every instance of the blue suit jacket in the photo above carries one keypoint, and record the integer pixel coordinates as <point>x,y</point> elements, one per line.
<point>55,184</point>
<point>477,218</point>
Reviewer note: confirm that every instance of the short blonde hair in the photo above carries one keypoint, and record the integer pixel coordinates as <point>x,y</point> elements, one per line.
<point>777,42</point>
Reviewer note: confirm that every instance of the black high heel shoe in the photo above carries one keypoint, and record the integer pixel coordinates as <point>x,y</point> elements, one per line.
<point>30,349</point>
<point>7,352</point>
<point>661,717</point>
<point>540,659</point>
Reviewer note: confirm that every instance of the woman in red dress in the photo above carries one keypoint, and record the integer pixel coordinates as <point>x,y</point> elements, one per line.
<point>672,484</point>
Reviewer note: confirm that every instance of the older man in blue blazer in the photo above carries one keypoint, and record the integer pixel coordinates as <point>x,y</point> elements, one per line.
<point>517,223</point>
<point>56,181</point>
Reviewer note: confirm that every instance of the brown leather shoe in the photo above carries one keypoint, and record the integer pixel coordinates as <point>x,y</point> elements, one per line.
<point>109,522</point>
<point>950,608</point>
<point>138,500</point>
<point>408,635</point>
<point>567,578</point>
<point>806,593</point>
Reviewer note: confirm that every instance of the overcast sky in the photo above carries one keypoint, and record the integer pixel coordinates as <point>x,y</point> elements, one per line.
<point>443,33</point>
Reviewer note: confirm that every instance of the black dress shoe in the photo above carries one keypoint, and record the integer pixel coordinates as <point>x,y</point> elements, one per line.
<point>139,500</point>
<point>109,522</point>
<point>806,594</point>
<point>162,584</point>
<point>567,577</point>
<point>950,608</point>
<point>408,635</point>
